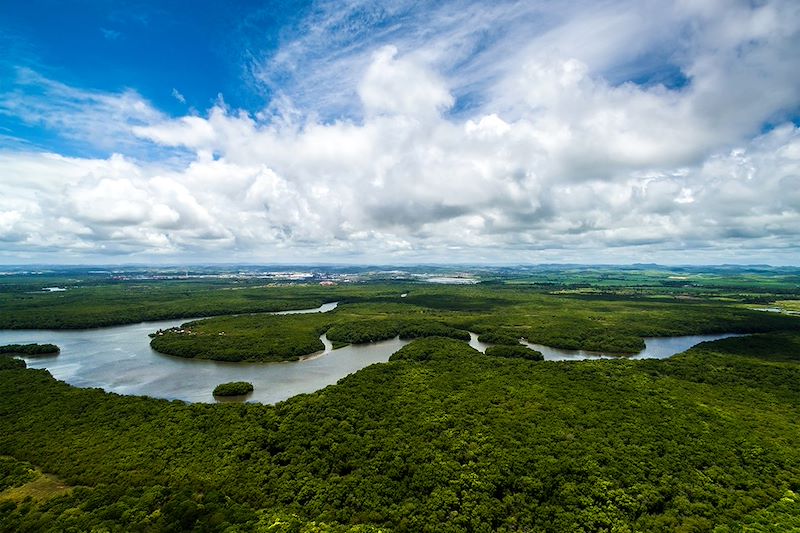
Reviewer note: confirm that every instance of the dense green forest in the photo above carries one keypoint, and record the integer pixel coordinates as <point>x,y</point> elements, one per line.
<point>441,438</point>
<point>29,349</point>
<point>500,316</point>
<point>94,299</point>
<point>245,337</point>
<point>123,303</point>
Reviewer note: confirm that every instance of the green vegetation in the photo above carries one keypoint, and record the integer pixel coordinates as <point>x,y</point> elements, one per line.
<point>433,348</point>
<point>783,515</point>
<point>497,337</point>
<point>244,338</point>
<point>8,363</point>
<point>261,337</point>
<point>14,473</point>
<point>608,324</point>
<point>789,305</point>
<point>440,438</point>
<point>29,349</point>
<point>102,299</point>
<point>461,442</point>
<point>108,304</point>
<point>362,331</point>
<point>233,388</point>
<point>523,352</point>
<point>20,481</point>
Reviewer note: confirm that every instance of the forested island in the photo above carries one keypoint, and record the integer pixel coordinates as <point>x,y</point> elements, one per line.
<point>500,315</point>
<point>441,437</point>
<point>29,349</point>
<point>233,388</point>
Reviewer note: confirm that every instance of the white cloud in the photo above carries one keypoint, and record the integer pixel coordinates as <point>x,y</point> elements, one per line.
<point>176,94</point>
<point>560,161</point>
<point>103,120</point>
<point>111,35</point>
<point>396,86</point>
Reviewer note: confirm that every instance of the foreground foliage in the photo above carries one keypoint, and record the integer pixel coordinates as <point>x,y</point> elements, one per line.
<point>442,438</point>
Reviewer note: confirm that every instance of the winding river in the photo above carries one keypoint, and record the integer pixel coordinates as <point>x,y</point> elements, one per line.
<point>119,359</point>
<point>655,348</point>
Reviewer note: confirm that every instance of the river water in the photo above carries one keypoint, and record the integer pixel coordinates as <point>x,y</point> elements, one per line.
<point>119,359</point>
<point>655,348</point>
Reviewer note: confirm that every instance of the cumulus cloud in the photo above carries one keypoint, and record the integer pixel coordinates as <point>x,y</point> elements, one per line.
<point>564,159</point>
<point>401,87</point>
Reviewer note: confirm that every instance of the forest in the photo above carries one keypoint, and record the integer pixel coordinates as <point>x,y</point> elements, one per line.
<point>500,316</point>
<point>441,437</point>
<point>93,300</point>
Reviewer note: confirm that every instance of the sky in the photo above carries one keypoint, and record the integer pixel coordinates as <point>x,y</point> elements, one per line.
<point>357,131</point>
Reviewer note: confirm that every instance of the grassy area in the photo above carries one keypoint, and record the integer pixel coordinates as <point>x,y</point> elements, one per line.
<point>789,305</point>
<point>14,473</point>
<point>43,487</point>
<point>20,480</point>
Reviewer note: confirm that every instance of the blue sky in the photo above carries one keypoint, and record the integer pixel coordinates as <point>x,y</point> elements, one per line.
<point>360,131</point>
<point>178,56</point>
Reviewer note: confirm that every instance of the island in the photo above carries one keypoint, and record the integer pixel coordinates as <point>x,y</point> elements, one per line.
<point>29,349</point>
<point>233,388</point>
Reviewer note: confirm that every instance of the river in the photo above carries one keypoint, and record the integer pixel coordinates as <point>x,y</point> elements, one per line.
<point>655,348</point>
<point>119,359</point>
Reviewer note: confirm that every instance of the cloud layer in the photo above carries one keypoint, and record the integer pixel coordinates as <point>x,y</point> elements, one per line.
<point>625,132</point>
